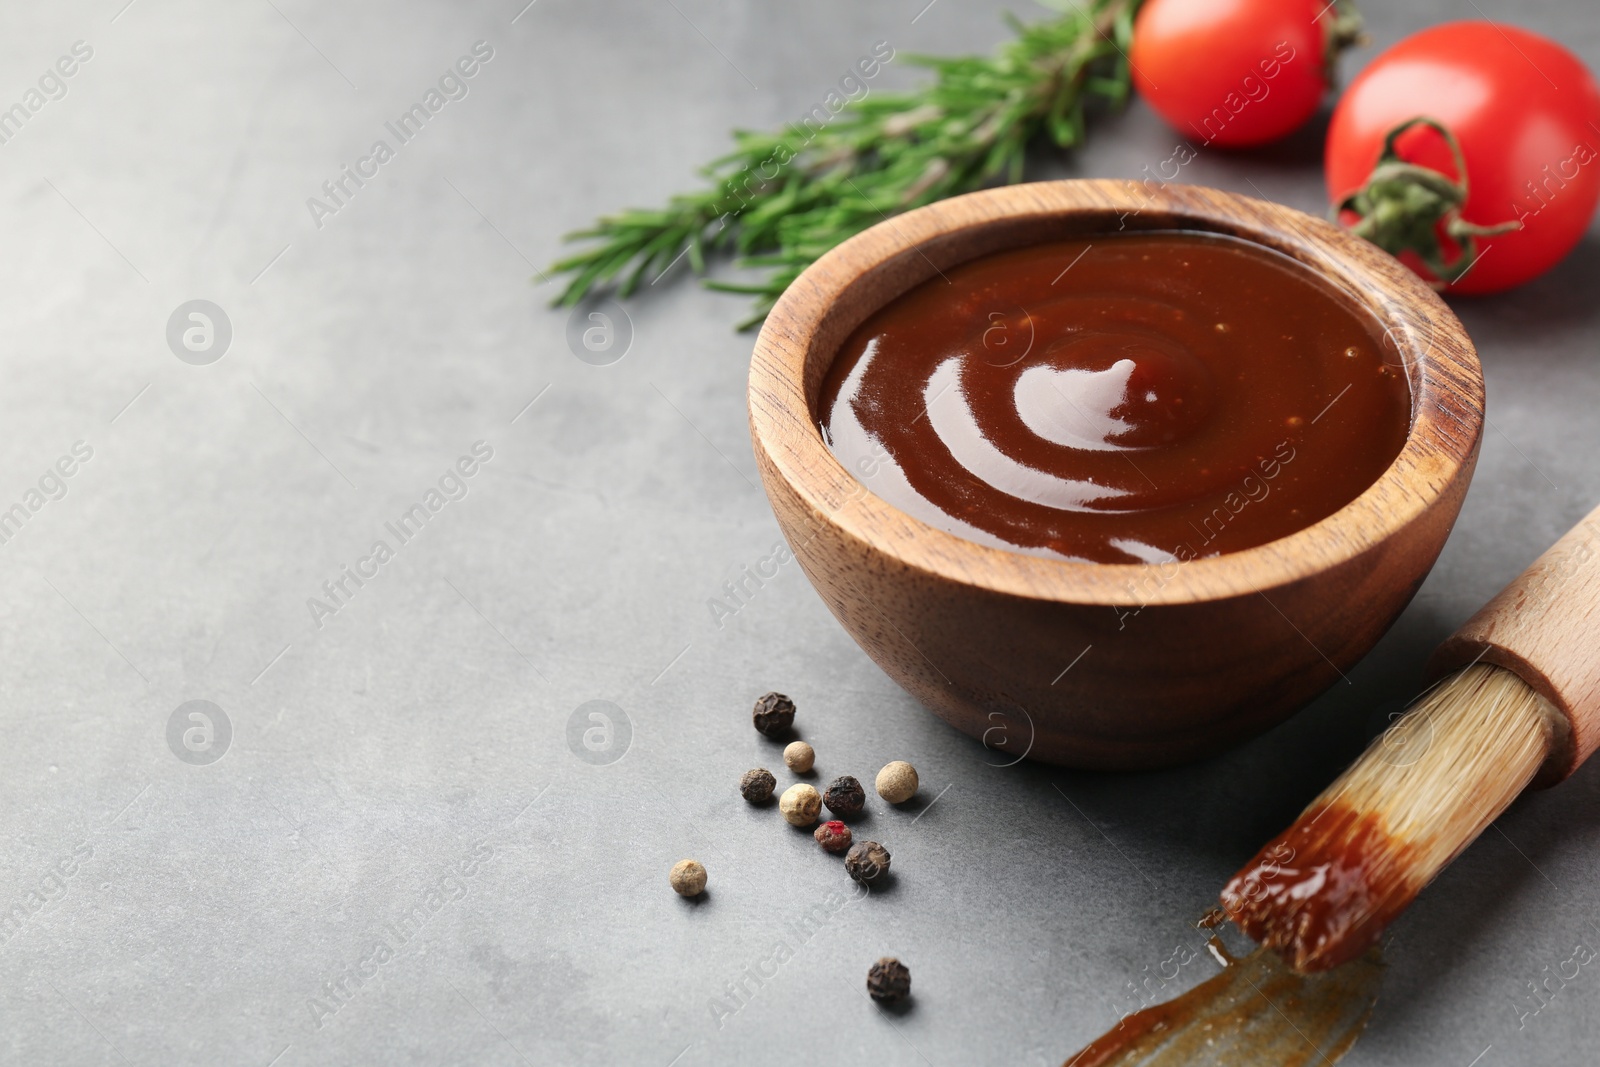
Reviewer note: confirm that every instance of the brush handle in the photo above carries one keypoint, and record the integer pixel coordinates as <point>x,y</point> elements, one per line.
<point>1545,627</point>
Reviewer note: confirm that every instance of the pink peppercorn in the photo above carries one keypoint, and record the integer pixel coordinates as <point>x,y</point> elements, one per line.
<point>834,836</point>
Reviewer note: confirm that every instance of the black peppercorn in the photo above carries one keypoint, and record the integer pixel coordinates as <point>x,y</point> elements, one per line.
<point>845,797</point>
<point>756,786</point>
<point>888,980</point>
<point>867,862</point>
<point>773,714</point>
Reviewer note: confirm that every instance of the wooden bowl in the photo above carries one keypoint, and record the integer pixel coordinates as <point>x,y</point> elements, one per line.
<point>1109,665</point>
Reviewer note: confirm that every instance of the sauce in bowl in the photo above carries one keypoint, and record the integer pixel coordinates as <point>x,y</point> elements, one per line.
<point>1131,398</point>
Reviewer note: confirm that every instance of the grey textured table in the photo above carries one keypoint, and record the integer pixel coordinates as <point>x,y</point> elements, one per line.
<point>407,853</point>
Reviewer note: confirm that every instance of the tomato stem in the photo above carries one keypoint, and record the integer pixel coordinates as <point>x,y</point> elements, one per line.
<point>1406,207</point>
<point>1344,30</point>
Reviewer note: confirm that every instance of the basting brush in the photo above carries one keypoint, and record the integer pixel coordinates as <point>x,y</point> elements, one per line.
<point>1518,704</point>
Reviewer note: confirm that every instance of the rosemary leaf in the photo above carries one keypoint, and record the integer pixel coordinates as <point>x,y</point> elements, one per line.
<point>781,199</point>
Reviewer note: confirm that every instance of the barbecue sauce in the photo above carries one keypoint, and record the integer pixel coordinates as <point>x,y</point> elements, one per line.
<point>1255,1011</point>
<point>1323,891</point>
<point>1132,398</point>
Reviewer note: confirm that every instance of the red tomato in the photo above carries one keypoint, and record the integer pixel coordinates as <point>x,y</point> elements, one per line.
<point>1526,114</point>
<point>1235,72</point>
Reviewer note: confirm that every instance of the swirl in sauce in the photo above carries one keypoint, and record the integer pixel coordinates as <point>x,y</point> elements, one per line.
<point>1134,398</point>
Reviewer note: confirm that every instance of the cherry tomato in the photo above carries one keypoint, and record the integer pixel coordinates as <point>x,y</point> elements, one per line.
<point>1525,113</point>
<point>1236,72</point>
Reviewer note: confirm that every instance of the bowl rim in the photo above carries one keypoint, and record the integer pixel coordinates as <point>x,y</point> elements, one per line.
<point>857,277</point>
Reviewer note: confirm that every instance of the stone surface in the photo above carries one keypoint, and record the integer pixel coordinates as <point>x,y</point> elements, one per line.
<point>442,810</point>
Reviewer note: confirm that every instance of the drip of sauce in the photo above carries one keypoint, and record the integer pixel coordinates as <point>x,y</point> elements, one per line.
<point>1322,892</point>
<point>1132,398</point>
<point>1256,1012</point>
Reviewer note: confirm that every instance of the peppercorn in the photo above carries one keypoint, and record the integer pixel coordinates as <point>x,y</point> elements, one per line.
<point>799,756</point>
<point>756,786</point>
<point>897,782</point>
<point>867,862</point>
<point>800,804</point>
<point>833,836</point>
<point>688,878</point>
<point>845,797</point>
<point>773,714</point>
<point>888,980</point>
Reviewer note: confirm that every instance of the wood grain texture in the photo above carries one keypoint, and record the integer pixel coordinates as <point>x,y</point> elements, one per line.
<point>1182,660</point>
<point>1545,628</point>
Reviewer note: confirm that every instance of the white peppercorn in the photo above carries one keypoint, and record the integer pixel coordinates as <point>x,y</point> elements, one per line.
<point>800,804</point>
<point>799,756</point>
<point>688,878</point>
<point>897,782</point>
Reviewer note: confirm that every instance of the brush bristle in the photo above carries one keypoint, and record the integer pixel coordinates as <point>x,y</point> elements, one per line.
<point>1325,889</point>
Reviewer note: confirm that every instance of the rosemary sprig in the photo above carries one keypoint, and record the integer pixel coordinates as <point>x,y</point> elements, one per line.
<point>781,199</point>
